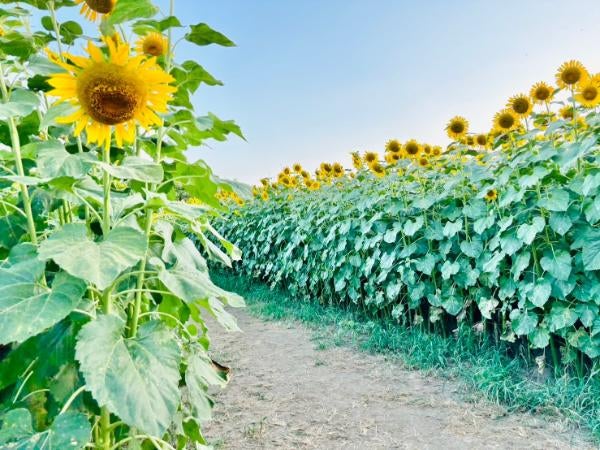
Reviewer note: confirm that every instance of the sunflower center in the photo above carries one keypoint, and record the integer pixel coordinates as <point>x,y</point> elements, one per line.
<point>506,121</point>
<point>542,93</point>
<point>153,47</point>
<point>571,75</point>
<point>111,94</point>
<point>521,105</point>
<point>412,149</point>
<point>101,6</point>
<point>457,127</point>
<point>481,139</point>
<point>590,93</point>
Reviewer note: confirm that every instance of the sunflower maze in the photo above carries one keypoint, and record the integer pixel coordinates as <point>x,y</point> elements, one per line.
<point>499,231</point>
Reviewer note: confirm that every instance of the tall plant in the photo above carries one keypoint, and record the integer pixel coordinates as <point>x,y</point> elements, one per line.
<point>103,295</point>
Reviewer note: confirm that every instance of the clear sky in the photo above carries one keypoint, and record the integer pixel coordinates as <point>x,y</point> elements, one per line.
<point>312,80</point>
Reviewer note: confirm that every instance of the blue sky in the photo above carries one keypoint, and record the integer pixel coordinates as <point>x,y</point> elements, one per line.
<point>312,80</point>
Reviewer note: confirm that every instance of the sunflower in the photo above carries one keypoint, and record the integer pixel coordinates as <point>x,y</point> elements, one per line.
<point>427,149</point>
<point>506,120</point>
<point>264,195</point>
<point>357,161</point>
<point>392,158</point>
<point>482,140</point>
<point>412,148</point>
<point>469,140</point>
<point>393,146</point>
<point>588,93</point>
<point>378,169</point>
<point>304,174</point>
<point>115,91</point>
<point>286,171</point>
<point>457,127</point>
<point>264,182</point>
<point>326,169</point>
<point>423,161</point>
<point>491,195</point>
<point>541,92</point>
<point>566,112</point>
<point>91,9</point>
<point>297,167</point>
<point>153,44</point>
<point>571,73</point>
<point>520,104</point>
<point>371,158</point>
<point>338,169</point>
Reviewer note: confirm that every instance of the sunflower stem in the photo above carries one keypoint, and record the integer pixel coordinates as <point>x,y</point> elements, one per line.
<point>106,438</point>
<point>140,281</point>
<point>16,149</point>
<point>56,27</point>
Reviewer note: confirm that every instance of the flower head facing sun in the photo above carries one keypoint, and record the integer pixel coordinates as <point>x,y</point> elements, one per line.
<point>588,94</point>
<point>541,92</point>
<point>117,91</point>
<point>491,195</point>
<point>571,73</point>
<point>371,158</point>
<point>520,104</point>
<point>153,44</point>
<point>92,9</point>
<point>567,112</point>
<point>412,148</point>
<point>505,121</point>
<point>393,146</point>
<point>457,127</point>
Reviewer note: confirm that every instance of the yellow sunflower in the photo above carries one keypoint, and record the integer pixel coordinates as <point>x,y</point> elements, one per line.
<point>520,104</point>
<point>153,44</point>
<point>371,158</point>
<point>111,92</point>
<point>541,92</point>
<point>357,161</point>
<point>457,127</point>
<point>566,112</point>
<point>571,73</point>
<point>482,140</point>
<point>505,121</point>
<point>588,94</point>
<point>378,169</point>
<point>436,150</point>
<point>491,195</point>
<point>304,174</point>
<point>338,169</point>
<point>297,167</point>
<point>92,9</point>
<point>286,171</point>
<point>423,161</point>
<point>264,195</point>
<point>412,148</point>
<point>393,146</point>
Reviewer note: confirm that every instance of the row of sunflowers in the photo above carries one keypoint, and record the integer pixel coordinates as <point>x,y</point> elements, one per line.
<point>576,91</point>
<point>499,230</point>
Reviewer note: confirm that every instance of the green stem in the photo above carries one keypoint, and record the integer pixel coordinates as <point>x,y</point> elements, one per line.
<point>106,435</point>
<point>16,149</point>
<point>140,281</point>
<point>56,27</point>
<point>106,182</point>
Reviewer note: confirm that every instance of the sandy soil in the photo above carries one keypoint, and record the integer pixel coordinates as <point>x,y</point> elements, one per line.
<point>286,394</point>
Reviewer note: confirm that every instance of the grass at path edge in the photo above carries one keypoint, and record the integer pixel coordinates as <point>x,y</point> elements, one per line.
<point>482,366</point>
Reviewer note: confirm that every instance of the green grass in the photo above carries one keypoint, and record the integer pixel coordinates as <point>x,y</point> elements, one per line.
<point>467,356</point>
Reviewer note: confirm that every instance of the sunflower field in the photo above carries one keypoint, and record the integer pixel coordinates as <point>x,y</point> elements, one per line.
<point>103,293</point>
<point>499,231</point>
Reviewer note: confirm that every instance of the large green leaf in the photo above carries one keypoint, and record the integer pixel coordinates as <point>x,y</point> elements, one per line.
<point>69,431</point>
<point>557,264</point>
<point>591,251</point>
<point>202,34</point>
<point>99,263</point>
<point>54,161</point>
<point>136,378</point>
<point>200,374</point>
<point>27,306</point>
<point>523,322</point>
<point>136,168</point>
<point>126,10</point>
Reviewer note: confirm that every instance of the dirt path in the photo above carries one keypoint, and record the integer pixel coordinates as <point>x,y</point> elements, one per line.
<point>285,394</point>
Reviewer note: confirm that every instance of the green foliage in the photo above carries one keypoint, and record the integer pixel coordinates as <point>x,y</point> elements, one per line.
<point>103,293</point>
<point>424,244</point>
